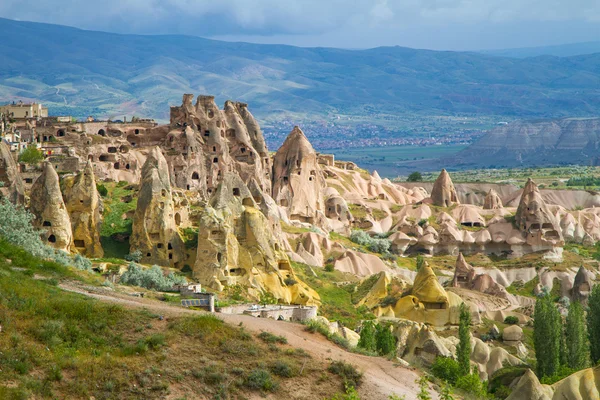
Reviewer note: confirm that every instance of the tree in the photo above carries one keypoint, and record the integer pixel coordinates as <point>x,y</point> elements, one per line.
<point>420,261</point>
<point>463,350</point>
<point>367,336</point>
<point>385,341</point>
<point>31,155</point>
<point>593,323</point>
<point>415,177</point>
<point>546,336</point>
<point>578,350</point>
<point>423,388</point>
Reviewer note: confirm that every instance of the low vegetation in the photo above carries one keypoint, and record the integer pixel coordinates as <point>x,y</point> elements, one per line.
<point>151,278</point>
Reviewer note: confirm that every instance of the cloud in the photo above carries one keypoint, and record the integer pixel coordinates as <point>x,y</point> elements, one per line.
<point>358,21</point>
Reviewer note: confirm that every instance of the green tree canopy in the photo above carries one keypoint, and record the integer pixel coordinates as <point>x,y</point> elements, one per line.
<point>31,155</point>
<point>547,331</point>
<point>463,350</point>
<point>578,350</point>
<point>415,177</point>
<point>593,323</point>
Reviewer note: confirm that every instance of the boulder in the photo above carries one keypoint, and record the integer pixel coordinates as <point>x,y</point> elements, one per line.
<point>512,334</point>
<point>529,387</point>
<point>492,200</point>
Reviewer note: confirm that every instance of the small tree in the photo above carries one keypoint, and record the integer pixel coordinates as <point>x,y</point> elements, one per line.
<point>578,351</point>
<point>463,350</point>
<point>420,261</point>
<point>547,332</point>
<point>31,155</point>
<point>367,336</point>
<point>593,324</point>
<point>415,177</point>
<point>385,341</point>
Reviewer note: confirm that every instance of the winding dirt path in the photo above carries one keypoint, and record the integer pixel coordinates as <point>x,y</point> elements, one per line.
<point>381,377</point>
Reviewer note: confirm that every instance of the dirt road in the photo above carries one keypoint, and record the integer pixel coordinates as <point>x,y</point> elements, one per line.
<point>381,377</point>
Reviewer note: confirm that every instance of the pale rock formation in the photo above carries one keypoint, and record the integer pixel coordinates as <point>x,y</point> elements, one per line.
<point>512,334</point>
<point>13,188</point>
<point>582,285</point>
<point>443,193</point>
<point>237,245</point>
<point>417,342</point>
<point>360,264</point>
<point>298,182</point>
<point>529,387</point>
<point>48,207</point>
<point>492,200</point>
<point>84,206</point>
<point>155,232</point>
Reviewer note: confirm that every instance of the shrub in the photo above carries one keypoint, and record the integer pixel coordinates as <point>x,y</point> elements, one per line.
<point>329,267</point>
<point>511,320</point>
<point>471,384</point>
<point>375,245</point>
<point>290,281</point>
<point>82,263</point>
<point>283,369</point>
<point>260,379</point>
<point>102,190</point>
<point>446,369</point>
<point>268,337</point>
<point>31,155</point>
<point>347,372</point>
<point>385,341</point>
<point>152,278</point>
<point>135,256</point>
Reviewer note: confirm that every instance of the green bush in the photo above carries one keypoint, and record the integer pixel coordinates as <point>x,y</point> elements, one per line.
<point>102,190</point>
<point>471,384</point>
<point>511,320</point>
<point>151,278</point>
<point>283,369</point>
<point>446,369</point>
<point>135,256</point>
<point>268,337</point>
<point>348,372</point>
<point>261,379</point>
<point>415,177</point>
<point>376,245</point>
<point>31,155</point>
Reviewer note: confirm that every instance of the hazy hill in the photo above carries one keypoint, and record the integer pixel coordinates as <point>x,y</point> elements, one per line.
<point>535,143</point>
<point>112,74</point>
<point>561,50</point>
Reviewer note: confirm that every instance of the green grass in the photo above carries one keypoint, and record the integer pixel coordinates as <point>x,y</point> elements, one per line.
<point>115,231</point>
<point>336,301</point>
<point>57,344</point>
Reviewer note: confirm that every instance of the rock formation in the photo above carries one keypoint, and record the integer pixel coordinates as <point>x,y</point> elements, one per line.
<point>13,188</point>
<point>48,207</point>
<point>582,285</point>
<point>298,183</point>
<point>84,207</point>
<point>443,193</point>
<point>237,246</point>
<point>155,233</point>
<point>492,201</point>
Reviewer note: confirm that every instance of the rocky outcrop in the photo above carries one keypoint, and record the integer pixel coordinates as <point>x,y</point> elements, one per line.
<point>155,233</point>
<point>298,182</point>
<point>13,188</point>
<point>237,246</point>
<point>492,200</point>
<point>84,207</point>
<point>49,210</point>
<point>582,285</point>
<point>443,193</point>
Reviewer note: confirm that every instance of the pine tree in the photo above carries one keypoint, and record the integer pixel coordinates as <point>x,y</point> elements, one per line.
<point>367,336</point>
<point>385,341</point>
<point>578,351</point>
<point>463,350</point>
<point>593,324</point>
<point>420,261</point>
<point>546,336</point>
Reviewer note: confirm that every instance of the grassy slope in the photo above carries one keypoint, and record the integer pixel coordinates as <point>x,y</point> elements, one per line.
<point>64,345</point>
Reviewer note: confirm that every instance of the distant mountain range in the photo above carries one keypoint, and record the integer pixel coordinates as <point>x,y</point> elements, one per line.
<point>82,72</point>
<point>534,143</point>
<point>561,50</point>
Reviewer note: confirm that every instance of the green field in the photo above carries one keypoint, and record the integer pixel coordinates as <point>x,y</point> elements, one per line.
<point>388,160</point>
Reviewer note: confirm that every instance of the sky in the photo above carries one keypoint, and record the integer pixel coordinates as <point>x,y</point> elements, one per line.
<point>431,24</point>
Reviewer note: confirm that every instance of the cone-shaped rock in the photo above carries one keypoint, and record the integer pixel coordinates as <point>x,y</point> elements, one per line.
<point>297,179</point>
<point>13,188</point>
<point>48,207</point>
<point>492,201</point>
<point>84,206</point>
<point>532,212</point>
<point>154,230</point>
<point>584,280</point>
<point>427,288</point>
<point>463,272</point>
<point>443,193</point>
